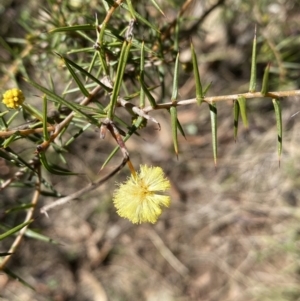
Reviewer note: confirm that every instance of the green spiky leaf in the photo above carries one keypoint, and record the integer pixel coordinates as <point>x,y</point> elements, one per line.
<point>236,114</point>
<point>60,100</point>
<point>142,64</point>
<point>131,8</point>
<point>15,229</point>
<point>213,121</point>
<point>173,111</point>
<point>17,278</point>
<point>84,72</point>
<point>252,85</point>
<point>35,235</point>
<point>45,123</point>
<point>119,78</point>
<point>278,114</point>
<point>82,27</point>
<point>54,169</point>
<point>147,92</point>
<point>157,7</point>
<point>175,79</point>
<point>141,19</point>
<point>243,110</point>
<point>199,91</point>
<point>265,83</point>
<point>80,85</point>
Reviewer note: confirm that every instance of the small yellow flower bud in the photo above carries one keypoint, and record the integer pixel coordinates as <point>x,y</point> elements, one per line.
<point>13,98</point>
<point>140,198</point>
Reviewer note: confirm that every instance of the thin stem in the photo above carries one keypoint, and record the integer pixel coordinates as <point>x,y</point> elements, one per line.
<point>4,134</point>
<point>143,112</point>
<point>77,194</point>
<point>132,170</point>
<point>211,99</point>
<point>107,18</point>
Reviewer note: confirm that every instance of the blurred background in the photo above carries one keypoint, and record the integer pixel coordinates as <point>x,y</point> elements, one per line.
<point>231,232</point>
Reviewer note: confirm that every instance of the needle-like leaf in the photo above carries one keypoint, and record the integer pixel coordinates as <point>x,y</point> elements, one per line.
<point>14,229</point>
<point>173,111</point>
<point>175,79</point>
<point>213,121</point>
<point>131,9</point>
<point>278,114</point>
<point>119,78</point>
<point>73,28</point>
<point>142,63</point>
<point>155,4</point>
<point>45,123</point>
<point>141,19</point>
<point>80,85</point>
<point>243,109</point>
<point>147,92</point>
<point>252,84</point>
<point>61,100</point>
<point>199,92</point>
<point>236,115</point>
<point>54,169</point>
<point>265,83</point>
<point>84,72</point>
<point>17,278</point>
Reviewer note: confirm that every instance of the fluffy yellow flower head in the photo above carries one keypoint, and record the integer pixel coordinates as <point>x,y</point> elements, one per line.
<point>139,199</point>
<point>13,98</point>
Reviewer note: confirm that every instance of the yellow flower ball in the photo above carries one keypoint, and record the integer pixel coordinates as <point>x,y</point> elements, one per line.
<point>13,98</point>
<point>140,198</point>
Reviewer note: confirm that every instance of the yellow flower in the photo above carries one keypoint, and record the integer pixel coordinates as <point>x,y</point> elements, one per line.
<point>13,98</point>
<point>139,199</point>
